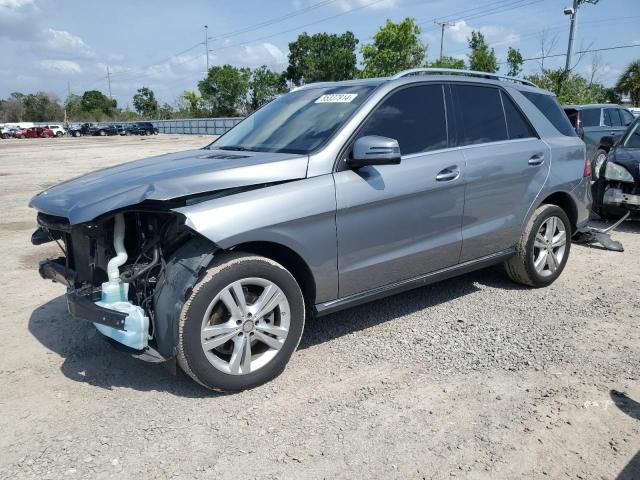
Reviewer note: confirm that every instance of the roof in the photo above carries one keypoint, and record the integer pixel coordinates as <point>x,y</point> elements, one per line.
<point>591,105</point>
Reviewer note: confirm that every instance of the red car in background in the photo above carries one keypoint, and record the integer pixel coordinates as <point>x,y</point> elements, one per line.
<point>37,132</point>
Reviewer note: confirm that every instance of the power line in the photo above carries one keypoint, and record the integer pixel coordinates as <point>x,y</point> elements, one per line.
<point>272,21</point>
<point>617,47</point>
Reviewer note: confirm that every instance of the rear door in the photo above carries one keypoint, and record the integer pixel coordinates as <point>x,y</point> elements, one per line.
<point>396,222</point>
<point>507,165</point>
<point>615,123</point>
<point>593,127</point>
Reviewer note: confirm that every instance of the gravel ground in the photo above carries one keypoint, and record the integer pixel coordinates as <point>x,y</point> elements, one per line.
<point>472,378</point>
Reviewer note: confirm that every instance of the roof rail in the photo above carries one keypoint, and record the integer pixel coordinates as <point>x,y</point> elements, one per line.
<point>474,73</point>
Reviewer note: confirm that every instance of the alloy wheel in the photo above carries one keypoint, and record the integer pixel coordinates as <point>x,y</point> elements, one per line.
<point>549,246</point>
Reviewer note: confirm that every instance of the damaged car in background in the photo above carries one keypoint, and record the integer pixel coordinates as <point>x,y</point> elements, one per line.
<point>616,189</point>
<point>330,196</point>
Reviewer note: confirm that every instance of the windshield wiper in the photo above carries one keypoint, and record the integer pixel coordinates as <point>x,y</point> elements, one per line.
<point>234,147</point>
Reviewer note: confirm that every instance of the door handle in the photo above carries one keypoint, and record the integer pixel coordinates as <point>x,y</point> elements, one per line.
<point>536,159</point>
<point>448,174</point>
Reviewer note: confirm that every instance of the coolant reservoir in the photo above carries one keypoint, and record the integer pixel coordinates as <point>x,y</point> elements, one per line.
<point>136,325</point>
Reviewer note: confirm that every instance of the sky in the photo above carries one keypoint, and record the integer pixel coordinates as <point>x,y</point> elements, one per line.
<point>66,46</point>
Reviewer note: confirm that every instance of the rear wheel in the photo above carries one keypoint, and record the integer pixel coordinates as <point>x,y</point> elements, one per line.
<point>102,133</point>
<point>59,134</point>
<point>543,249</point>
<point>241,323</point>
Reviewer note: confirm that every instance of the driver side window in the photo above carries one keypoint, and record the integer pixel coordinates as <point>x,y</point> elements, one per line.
<point>414,116</point>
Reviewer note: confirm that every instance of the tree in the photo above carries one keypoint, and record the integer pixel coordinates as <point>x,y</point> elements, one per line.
<point>145,103</point>
<point>165,112</point>
<point>395,47</point>
<point>73,106</point>
<point>97,105</point>
<point>225,90</point>
<point>629,82</point>
<point>571,88</point>
<point>42,107</point>
<point>12,109</point>
<point>514,62</point>
<point>481,58</point>
<point>265,85</point>
<point>322,57</point>
<point>447,62</point>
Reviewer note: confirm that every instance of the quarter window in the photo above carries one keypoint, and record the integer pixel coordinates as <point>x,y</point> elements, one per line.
<point>517,125</point>
<point>550,108</point>
<point>414,116</point>
<point>480,115</point>
<point>627,117</point>
<point>612,117</point>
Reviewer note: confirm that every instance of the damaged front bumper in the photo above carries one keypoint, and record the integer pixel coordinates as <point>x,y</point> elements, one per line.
<point>617,198</point>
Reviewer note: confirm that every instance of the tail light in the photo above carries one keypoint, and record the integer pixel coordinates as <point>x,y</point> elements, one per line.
<point>587,171</point>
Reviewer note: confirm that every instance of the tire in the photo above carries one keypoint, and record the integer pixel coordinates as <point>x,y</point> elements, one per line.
<point>59,134</point>
<point>147,133</point>
<point>76,134</point>
<point>522,267</point>
<point>598,159</point>
<point>226,366</point>
<point>102,133</point>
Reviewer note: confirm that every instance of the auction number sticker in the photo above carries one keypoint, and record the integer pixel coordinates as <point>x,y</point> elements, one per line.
<point>337,98</point>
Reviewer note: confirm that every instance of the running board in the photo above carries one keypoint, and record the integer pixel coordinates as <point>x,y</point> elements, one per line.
<point>409,284</point>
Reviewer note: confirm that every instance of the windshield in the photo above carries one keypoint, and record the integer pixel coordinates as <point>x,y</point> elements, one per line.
<point>632,138</point>
<point>298,122</point>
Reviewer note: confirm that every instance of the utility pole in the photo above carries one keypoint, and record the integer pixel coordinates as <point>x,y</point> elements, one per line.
<point>443,25</point>
<point>109,81</point>
<point>68,88</point>
<point>573,11</point>
<point>206,45</point>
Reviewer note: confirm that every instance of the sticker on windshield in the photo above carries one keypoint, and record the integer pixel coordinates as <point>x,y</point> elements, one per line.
<point>337,98</point>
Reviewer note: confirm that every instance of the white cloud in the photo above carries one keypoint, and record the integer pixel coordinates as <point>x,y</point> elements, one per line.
<point>13,4</point>
<point>62,66</point>
<point>261,54</point>
<point>346,5</point>
<point>495,35</point>
<point>60,39</point>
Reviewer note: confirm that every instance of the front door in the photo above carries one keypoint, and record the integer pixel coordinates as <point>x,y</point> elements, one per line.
<point>396,222</point>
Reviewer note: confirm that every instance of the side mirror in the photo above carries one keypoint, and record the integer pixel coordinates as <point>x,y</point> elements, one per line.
<point>607,141</point>
<point>374,150</point>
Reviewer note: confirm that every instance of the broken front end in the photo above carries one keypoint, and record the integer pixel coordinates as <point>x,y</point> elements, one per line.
<point>617,189</point>
<point>127,273</point>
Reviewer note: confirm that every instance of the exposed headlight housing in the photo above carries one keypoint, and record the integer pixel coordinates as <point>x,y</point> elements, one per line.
<point>617,172</point>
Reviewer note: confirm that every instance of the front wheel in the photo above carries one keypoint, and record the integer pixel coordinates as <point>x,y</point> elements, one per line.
<point>241,323</point>
<point>543,249</point>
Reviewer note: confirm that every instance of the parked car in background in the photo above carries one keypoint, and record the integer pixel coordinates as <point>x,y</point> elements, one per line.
<point>592,122</point>
<point>121,129</point>
<point>17,132</point>
<point>74,129</point>
<point>635,111</point>
<point>38,132</point>
<point>142,128</point>
<point>5,132</point>
<point>617,186</point>
<point>330,196</point>
<point>58,130</point>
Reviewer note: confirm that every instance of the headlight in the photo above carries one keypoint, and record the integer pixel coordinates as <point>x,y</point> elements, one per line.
<point>617,172</point>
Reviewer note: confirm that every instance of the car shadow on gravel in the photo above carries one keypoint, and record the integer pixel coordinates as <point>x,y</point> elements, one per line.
<point>88,358</point>
<point>324,329</point>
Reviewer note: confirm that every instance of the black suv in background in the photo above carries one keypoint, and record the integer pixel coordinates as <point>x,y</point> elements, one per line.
<point>141,128</point>
<point>593,122</point>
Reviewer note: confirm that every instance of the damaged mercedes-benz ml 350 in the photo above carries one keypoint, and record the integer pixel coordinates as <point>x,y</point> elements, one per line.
<point>330,196</point>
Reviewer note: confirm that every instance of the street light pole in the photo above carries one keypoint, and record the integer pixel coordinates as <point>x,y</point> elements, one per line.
<point>206,44</point>
<point>443,25</point>
<point>574,27</point>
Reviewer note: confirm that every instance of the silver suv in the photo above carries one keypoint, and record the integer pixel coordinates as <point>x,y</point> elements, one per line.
<point>330,196</point>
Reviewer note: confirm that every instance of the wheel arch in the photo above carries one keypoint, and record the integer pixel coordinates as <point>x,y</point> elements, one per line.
<point>566,203</point>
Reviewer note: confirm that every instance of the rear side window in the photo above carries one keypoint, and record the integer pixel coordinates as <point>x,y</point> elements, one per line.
<point>590,117</point>
<point>414,116</point>
<point>627,117</point>
<point>517,125</point>
<point>550,108</point>
<point>480,115</point>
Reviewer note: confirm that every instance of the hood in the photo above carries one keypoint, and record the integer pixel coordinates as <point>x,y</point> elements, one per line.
<point>629,158</point>
<point>165,177</point>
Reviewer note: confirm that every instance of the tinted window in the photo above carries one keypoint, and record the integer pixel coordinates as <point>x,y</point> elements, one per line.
<point>612,117</point>
<point>480,115</point>
<point>517,125</point>
<point>627,117</point>
<point>550,108</point>
<point>572,114</point>
<point>590,117</point>
<point>414,116</point>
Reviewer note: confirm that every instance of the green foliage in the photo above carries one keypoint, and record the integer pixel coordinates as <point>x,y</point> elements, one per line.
<point>322,57</point>
<point>165,112</point>
<point>514,62</point>
<point>33,107</point>
<point>12,110</point>
<point>97,105</point>
<point>225,90</point>
<point>265,85</point>
<point>629,82</point>
<point>395,47</point>
<point>571,88</point>
<point>481,58</point>
<point>145,103</point>
<point>447,62</point>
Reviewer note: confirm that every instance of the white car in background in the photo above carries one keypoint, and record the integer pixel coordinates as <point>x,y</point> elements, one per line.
<point>635,111</point>
<point>58,130</point>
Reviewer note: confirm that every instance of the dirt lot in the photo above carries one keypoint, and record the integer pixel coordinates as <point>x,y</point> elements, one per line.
<point>471,378</point>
